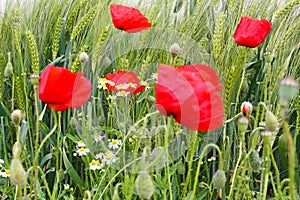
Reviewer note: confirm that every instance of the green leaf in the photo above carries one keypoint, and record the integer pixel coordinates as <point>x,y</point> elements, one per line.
<point>71,171</point>
<point>23,131</point>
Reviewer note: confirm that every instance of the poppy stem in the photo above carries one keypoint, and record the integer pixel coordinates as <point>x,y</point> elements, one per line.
<point>37,139</point>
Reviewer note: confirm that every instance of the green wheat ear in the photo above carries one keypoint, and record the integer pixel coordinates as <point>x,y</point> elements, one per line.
<point>19,94</point>
<point>35,65</point>
<point>283,11</point>
<point>56,37</point>
<point>84,21</point>
<point>218,38</point>
<point>97,52</point>
<point>286,38</point>
<point>144,67</point>
<point>229,87</point>
<point>71,18</point>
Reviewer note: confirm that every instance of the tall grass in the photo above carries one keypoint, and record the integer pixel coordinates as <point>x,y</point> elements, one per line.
<point>180,162</point>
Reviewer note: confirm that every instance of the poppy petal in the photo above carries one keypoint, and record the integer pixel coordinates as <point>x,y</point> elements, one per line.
<point>128,19</point>
<point>251,32</point>
<point>190,94</point>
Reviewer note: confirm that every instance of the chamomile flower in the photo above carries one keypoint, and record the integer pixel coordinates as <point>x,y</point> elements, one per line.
<point>144,83</point>
<point>122,86</point>
<point>114,144</point>
<point>1,162</point>
<point>112,97</point>
<point>82,151</point>
<point>5,174</point>
<point>102,83</point>
<point>66,186</point>
<point>109,158</point>
<point>133,85</point>
<point>122,93</point>
<point>80,144</point>
<point>97,138</point>
<point>99,156</point>
<point>95,165</point>
<point>154,76</point>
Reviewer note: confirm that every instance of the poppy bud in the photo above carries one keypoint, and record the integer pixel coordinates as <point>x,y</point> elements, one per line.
<point>246,108</point>
<point>219,179</point>
<point>267,137</point>
<point>254,161</point>
<point>17,149</point>
<point>269,56</point>
<point>144,185</point>
<point>8,71</point>
<point>175,49</point>
<point>17,172</point>
<point>151,99</point>
<point>271,121</point>
<point>288,88</point>
<point>16,116</point>
<point>83,57</point>
<point>35,79</point>
<point>243,124</point>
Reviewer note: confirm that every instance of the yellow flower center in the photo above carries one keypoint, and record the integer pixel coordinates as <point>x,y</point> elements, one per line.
<point>114,142</point>
<point>7,171</point>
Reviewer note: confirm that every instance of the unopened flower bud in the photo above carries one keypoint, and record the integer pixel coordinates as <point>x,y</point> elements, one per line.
<point>269,56</point>
<point>267,137</point>
<point>17,149</point>
<point>219,179</point>
<point>151,99</point>
<point>144,185</point>
<point>83,57</point>
<point>17,172</point>
<point>288,88</point>
<point>246,108</point>
<point>271,121</point>
<point>16,116</point>
<point>35,79</point>
<point>175,49</point>
<point>243,124</point>
<point>255,161</point>
<point>8,71</point>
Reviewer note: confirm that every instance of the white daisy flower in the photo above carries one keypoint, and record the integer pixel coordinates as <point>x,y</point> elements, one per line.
<point>144,83</point>
<point>122,93</point>
<point>82,151</point>
<point>99,156</point>
<point>80,144</point>
<point>97,138</point>
<point>95,165</point>
<point>102,83</point>
<point>109,158</point>
<point>5,174</point>
<point>114,144</point>
<point>111,97</point>
<point>133,85</point>
<point>122,86</point>
<point>66,186</point>
<point>154,76</point>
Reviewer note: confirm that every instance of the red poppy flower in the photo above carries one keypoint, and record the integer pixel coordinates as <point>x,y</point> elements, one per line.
<point>61,88</point>
<point>252,32</point>
<point>124,82</point>
<point>128,19</point>
<point>190,94</point>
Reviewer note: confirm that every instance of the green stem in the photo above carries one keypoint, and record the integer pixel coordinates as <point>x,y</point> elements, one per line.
<point>199,164</point>
<point>191,153</point>
<point>168,132</point>
<point>266,82</point>
<point>291,157</point>
<point>37,139</point>
<point>277,176</point>
<point>40,146</point>
<point>232,187</point>
<point>265,175</point>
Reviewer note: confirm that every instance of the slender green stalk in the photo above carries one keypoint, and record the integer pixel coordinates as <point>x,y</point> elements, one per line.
<point>200,161</point>
<point>265,174</point>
